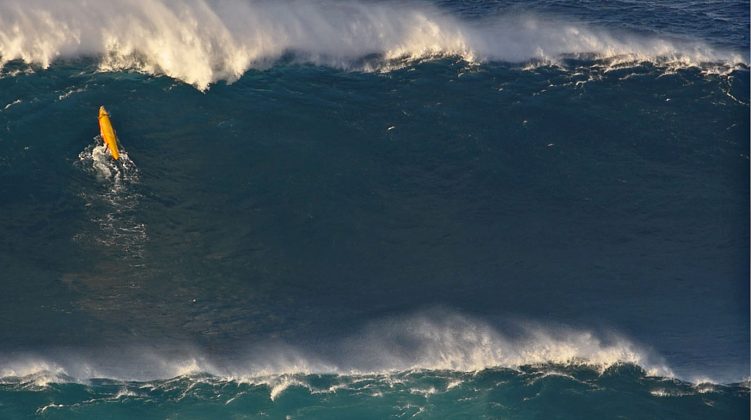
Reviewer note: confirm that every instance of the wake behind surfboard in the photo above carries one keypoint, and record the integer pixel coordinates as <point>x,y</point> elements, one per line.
<point>108,133</point>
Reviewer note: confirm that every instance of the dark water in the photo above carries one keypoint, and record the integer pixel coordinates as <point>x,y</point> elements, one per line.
<point>436,231</point>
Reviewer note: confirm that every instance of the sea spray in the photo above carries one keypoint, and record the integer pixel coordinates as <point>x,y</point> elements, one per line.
<point>201,42</point>
<point>432,340</point>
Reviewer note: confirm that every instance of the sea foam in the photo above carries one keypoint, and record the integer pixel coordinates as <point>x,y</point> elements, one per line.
<point>201,41</point>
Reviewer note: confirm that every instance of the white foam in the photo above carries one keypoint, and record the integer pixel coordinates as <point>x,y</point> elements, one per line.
<point>69,92</point>
<point>36,372</point>
<point>425,392</point>
<point>549,373</point>
<point>453,384</point>
<point>40,411</point>
<point>666,393</point>
<point>16,102</point>
<point>124,393</point>
<point>282,384</point>
<point>203,41</point>
<point>33,372</point>
<point>115,201</point>
<point>96,159</point>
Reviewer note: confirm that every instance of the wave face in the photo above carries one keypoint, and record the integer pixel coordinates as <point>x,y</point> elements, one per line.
<point>201,42</point>
<point>398,208</point>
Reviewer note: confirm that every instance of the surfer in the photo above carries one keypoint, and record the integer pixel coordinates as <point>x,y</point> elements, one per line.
<point>108,133</point>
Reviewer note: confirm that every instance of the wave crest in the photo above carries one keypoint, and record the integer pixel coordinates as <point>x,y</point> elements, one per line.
<point>201,42</point>
<point>430,341</point>
<point>441,340</point>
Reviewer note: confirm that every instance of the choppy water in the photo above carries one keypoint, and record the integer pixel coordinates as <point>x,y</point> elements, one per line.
<point>375,209</point>
<point>540,392</point>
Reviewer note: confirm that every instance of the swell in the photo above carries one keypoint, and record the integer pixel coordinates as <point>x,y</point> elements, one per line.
<point>201,42</point>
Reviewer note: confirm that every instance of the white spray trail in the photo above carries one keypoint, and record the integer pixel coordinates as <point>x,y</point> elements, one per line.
<point>430,341</point>
<point>203,41</point>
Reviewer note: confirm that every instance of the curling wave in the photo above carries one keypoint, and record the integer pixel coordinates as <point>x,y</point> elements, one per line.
<point>202,41</point>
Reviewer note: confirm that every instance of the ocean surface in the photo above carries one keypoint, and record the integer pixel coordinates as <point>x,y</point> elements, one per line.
<point>381,209</point>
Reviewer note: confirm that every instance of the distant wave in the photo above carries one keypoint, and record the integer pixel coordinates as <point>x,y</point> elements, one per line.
<point>201,41</point>
<point>433,340</point>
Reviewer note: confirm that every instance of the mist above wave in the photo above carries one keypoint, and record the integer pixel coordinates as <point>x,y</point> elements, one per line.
<point>433,340</point>
<point>201,41</point>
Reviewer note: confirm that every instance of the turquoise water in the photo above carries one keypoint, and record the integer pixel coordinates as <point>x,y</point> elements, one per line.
<point>540,392</point>
<point>448,209</point>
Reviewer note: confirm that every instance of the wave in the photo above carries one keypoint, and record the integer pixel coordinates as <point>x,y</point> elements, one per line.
<point>622,391</point>
<point>434,363</point>
<point>433,340</point>
<point>201,42</point>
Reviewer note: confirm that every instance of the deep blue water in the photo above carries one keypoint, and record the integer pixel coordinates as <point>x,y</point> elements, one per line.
<point>449,209</point>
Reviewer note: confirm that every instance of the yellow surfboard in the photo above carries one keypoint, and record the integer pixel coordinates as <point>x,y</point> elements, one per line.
<point>108,133</point>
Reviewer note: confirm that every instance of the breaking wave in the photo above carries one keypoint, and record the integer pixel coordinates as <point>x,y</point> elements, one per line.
<point>432,363</point>
<point>201,42</point>
<point>427,341</point>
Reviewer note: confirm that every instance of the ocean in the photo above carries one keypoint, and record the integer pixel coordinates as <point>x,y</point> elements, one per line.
<point>385,209</point>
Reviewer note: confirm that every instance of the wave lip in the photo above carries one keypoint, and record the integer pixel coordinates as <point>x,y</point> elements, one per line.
<point>202,42</point>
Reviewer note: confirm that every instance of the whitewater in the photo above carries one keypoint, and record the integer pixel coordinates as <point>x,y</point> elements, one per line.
<point>202,42</point>
<point>374,209</point>
<point>435,340</point>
